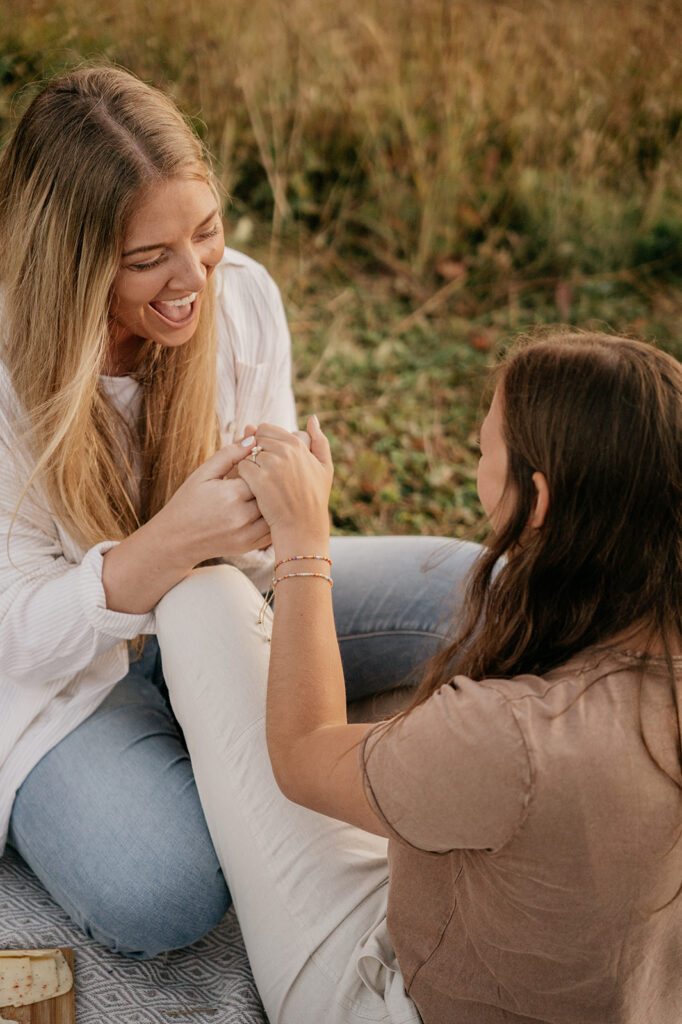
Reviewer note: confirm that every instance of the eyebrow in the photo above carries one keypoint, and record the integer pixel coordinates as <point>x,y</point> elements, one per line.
<point>164,245</point>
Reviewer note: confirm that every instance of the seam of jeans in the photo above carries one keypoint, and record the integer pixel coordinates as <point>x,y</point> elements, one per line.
<point>393,632</point>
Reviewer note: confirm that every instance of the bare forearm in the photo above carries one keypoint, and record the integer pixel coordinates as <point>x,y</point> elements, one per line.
<point>306,688</point>
<point>313,749</point>
<point>141,569</point>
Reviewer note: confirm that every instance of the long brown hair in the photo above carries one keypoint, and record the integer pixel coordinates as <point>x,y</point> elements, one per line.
<point>601,418</point>
<point>83,155</point>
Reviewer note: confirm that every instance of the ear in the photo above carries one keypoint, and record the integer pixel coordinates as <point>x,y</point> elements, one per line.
<point>541,506</point>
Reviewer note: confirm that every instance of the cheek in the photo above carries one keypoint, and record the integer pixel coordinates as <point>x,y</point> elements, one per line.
<point>122,296</point>
<point>490,484</point>
<point>484,487</point>
<point>132,293</point>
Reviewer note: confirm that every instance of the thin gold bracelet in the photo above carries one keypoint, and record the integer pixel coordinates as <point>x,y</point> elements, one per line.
<point>297,558</point>
<point>291,575</point>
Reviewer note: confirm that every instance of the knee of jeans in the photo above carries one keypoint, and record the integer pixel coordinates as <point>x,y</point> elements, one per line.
<point>153,914</point>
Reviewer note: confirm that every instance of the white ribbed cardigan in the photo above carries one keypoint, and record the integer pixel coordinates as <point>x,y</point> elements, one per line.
<point>61,649</point>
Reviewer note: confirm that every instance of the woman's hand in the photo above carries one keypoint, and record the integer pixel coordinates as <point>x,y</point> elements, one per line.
<point>210,516</point>
<point>291,484</point>
<point>207,517</point>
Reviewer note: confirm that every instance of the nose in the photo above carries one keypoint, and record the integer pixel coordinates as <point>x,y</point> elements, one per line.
<point>189,272</point>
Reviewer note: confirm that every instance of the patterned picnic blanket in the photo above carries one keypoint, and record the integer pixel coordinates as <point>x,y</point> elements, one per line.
<point>207,983</point>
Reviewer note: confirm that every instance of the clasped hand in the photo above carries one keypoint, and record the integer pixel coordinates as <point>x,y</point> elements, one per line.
<point>290,483</point>
<point>285,492</point>
<point>210,516</point>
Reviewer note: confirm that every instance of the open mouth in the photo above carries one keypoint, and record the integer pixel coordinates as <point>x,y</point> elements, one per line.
<point>176,312</point>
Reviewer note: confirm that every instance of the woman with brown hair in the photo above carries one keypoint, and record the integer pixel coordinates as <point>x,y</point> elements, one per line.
<point>532,793</point>
<point>134,350</point>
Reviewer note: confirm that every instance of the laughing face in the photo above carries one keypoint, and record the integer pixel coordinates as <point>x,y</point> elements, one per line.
<point>173,241</point>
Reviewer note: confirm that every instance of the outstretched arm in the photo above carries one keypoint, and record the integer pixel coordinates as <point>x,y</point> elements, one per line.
<point>312,747</point>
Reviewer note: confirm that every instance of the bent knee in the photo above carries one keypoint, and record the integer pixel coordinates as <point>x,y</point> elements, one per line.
<point>207,592</point>
<point>149,917</point>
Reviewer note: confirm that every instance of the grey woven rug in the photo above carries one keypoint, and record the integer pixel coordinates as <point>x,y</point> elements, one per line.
<point>207,983</point>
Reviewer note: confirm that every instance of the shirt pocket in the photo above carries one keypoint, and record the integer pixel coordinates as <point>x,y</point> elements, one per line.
<point>250,393</point>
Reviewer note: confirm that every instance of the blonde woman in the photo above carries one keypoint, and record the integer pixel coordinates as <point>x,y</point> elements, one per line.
<point>134,351</point>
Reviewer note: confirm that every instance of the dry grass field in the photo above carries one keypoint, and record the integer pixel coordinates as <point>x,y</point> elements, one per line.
<point>424,179</point>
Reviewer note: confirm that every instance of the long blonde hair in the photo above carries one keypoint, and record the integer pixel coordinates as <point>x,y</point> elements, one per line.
<point>84,154</point>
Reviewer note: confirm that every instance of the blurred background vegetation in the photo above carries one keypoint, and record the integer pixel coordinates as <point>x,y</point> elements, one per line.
<point>425,179</point>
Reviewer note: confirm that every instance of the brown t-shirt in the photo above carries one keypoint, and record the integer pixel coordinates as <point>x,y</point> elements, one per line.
<point>533,859</point>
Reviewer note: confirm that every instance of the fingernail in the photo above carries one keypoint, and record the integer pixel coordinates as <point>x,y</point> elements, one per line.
<point>316,421</point>
<point>248,441</point>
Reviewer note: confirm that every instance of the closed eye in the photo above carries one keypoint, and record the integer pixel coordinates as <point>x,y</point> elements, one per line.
<point>150,264</point>
<point>147,266</point>
<point>210,233</point>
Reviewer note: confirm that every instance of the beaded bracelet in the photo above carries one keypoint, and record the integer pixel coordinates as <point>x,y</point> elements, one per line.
<point>291,575</point>
<point>296,558</point>
<point>267,600</point>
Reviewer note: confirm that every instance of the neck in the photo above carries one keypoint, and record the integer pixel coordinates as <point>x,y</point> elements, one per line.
<point>123,351</point>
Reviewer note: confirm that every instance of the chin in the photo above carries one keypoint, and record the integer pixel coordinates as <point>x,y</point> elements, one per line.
<point>175,341</point>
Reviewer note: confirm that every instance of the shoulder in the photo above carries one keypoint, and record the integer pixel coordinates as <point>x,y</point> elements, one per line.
<point>250,317</point>
<point>477,715</point>
<point>459,762</point>
<point>238,276</point>
<point>531,695</point>
<point>459,771</point>
<point>579,717</point>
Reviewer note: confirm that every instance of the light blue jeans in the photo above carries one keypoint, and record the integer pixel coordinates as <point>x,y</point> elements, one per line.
<point>110,820</point>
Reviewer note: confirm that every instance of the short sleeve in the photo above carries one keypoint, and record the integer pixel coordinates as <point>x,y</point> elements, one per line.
<point>453,774</point>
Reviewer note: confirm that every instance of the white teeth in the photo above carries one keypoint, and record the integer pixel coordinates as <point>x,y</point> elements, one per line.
<point>187,301</point>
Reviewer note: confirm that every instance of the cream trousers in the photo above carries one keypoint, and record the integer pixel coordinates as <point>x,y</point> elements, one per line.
<point>309,891</point>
